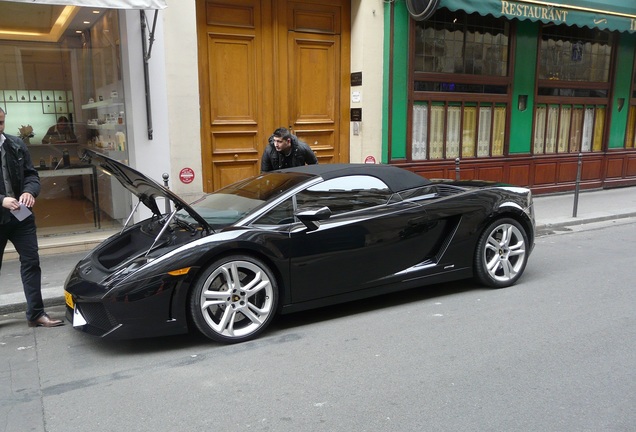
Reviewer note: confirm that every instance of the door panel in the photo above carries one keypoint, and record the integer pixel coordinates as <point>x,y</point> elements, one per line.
<point>372,246</point>
<point>316,98</point>
<point>314,68</point>
<point>236,97</point>
<point>232,104</point>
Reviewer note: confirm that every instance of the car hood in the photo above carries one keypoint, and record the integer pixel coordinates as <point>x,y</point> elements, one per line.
<point>144,188</point>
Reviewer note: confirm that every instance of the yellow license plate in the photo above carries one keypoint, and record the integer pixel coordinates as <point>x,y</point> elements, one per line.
<point>69,300</point>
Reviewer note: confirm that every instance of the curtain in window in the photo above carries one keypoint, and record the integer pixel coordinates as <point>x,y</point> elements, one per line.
<point>564,128</point>
<point>453,132</point>
<point>588,129</point>
<point>468,133</point>
<point>499,130</point>
<point>437,132</point>
<point>576,132</point>
<point>539,129</point>
<point>551,132</point>
<point>599,122</point>
<point>483,138</point>
<point>420,126</point>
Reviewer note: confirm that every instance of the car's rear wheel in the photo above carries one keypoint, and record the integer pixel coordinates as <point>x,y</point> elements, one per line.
<point>501,254</point>
<point>235,299</point>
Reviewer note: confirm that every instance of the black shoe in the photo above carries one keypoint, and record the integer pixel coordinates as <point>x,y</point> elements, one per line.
<point>45,321</point>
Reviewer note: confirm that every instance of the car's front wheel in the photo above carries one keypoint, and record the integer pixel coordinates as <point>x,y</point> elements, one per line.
<point>235,299</point>
<point>501,254</point>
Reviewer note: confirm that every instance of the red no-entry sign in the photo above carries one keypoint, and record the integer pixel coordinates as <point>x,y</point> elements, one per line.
<point>186,175</point>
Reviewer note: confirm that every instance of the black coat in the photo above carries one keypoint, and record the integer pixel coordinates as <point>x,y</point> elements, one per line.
<point>301,154</point>
<point>24,177</point>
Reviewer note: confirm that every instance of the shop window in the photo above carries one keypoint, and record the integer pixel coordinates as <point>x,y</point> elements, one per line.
<point>62,92</point>
<point>460,87</point>
<point>458,43</point>
<point>574,54</point>
<point>449,131</point>
<point>573,90</point>
<point>568,128</point>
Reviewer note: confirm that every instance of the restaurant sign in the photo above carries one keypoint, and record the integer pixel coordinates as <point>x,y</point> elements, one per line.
<point>613,15</point>
<point>543,13</point>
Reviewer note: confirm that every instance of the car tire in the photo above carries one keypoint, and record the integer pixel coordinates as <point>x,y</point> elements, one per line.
<point>501,254</point>
<point>234,299</point>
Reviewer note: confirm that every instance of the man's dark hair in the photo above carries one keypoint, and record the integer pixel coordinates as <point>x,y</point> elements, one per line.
<point>283,133</point>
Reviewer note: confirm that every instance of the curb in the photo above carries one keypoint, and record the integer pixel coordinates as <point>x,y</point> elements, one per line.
<point>576,222</point>
<point>12,303</point>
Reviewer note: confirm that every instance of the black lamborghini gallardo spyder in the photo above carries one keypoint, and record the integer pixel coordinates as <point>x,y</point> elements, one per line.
<point>290,240</point>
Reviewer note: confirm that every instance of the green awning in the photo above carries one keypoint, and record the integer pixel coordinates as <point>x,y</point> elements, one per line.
<point>619,15</point>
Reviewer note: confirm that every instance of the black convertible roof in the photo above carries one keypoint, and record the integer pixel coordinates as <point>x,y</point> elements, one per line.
<point>397,179</point>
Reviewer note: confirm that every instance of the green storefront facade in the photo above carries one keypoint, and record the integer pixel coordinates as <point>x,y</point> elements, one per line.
<point>527,92</point>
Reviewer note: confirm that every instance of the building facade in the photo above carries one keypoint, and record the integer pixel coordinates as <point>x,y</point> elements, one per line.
<point>526,92</point>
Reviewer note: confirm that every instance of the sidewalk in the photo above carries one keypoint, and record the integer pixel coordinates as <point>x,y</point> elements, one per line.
<point>551,212</point>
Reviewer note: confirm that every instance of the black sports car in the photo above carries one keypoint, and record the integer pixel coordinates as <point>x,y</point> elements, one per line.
<point>291,240</point>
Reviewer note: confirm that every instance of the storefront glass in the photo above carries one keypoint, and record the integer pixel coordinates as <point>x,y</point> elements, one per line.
<point>452,42</point>
<point>61,87</point>
<point>461,67</point>
<point>573,89</point>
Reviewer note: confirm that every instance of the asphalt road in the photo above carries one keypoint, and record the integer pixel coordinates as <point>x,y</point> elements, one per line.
<point>554,353</point>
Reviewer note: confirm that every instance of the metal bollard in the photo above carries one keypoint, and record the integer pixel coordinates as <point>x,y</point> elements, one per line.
<point>457,175</point>
<point>577,185</point>
<point>165,177</point>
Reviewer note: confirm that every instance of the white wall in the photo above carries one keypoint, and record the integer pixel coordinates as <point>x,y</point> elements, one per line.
<point>182,83</point>
<point>367,39</point>
<point>151,157</point>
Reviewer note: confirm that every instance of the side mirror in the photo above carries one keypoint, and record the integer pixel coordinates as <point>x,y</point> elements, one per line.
<point>311,216</point>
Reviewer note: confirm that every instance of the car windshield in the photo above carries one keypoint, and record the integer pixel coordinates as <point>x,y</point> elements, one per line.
<point>231,203</point>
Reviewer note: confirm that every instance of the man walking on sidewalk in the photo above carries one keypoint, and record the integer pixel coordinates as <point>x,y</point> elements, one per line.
<point>19,185</point>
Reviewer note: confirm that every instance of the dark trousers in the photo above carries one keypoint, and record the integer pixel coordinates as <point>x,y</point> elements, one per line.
<point>24,238</point>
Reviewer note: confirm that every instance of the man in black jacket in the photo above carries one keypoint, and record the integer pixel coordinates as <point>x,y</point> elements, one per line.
<point>19,185</point>
<point>285,150</point>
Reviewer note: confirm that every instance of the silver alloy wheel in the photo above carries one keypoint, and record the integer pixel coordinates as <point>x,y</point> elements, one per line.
<point>237,299</point>
<point>504,253</point>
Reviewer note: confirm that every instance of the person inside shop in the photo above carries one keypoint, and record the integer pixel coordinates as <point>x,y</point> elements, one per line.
<point>61,132</point>
<point>285,150</point>
<point>19,186</point>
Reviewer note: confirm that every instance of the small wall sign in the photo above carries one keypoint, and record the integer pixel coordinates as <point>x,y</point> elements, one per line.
<point>356,79</point>
<point>186,175</point>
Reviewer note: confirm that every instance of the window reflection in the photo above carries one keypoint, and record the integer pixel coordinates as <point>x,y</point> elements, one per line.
<point>63,91</point>
<point>345,194</point>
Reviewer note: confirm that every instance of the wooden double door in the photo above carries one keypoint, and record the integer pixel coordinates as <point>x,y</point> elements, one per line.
<point>265,64</point>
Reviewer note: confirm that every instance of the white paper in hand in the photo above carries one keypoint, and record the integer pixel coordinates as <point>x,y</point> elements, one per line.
<point>22,213</point>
